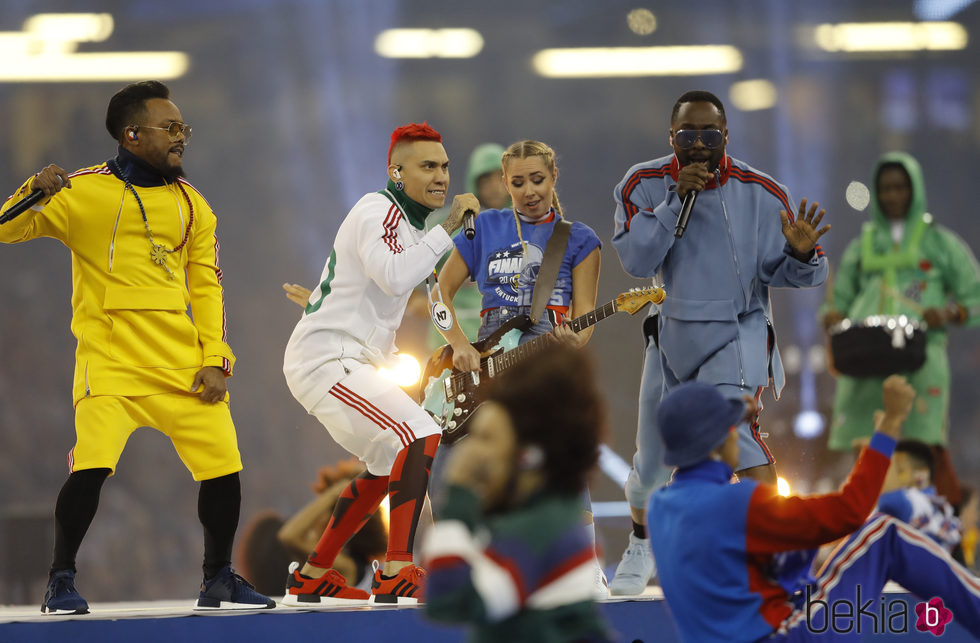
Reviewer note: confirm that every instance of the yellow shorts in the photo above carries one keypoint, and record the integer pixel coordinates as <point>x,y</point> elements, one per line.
<point>203,434</point>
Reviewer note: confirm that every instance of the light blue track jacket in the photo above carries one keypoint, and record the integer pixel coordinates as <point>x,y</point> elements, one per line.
<point>716,324</point>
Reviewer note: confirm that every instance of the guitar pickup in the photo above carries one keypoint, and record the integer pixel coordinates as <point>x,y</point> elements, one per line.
<point>475,375</point>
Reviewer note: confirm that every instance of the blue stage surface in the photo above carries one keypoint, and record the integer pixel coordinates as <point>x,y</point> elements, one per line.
<point>641,620</point>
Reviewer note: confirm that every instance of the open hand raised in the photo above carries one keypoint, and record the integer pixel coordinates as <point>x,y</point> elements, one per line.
<point>802,234</point>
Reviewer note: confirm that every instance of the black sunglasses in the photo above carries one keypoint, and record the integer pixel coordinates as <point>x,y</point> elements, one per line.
<point>687,138</point>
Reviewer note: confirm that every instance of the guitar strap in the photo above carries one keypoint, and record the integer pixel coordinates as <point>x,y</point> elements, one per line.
<point>544,285</point>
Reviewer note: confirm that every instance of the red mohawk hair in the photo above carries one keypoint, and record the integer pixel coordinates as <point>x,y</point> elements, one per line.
<point>412,132</point>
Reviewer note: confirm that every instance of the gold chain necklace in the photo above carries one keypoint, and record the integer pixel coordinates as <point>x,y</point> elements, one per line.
<point>159,252</point>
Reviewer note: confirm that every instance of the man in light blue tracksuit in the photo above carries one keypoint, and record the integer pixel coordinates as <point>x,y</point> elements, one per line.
<point>715,325</point>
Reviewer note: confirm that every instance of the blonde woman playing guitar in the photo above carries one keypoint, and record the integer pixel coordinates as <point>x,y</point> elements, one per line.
<point>503,258</point>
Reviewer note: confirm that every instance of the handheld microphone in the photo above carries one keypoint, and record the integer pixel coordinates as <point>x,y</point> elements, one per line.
<point>469,225</point>
<point>685,214</point>
<point>18,208</point>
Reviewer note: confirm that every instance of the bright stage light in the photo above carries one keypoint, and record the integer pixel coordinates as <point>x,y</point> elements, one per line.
<point>752,95</point>
<point>69,27</point>
<point>808,424</point>
<point>428,43</point>
<point>120,66</point>
<point>405,372</point>
<point>891,36</point>
<point>384,510</point>
<point>607,62</point>
<point>782,487</point>
<point>46,51</point>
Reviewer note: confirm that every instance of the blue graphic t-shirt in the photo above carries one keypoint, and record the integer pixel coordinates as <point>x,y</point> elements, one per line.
<point>506,277</point>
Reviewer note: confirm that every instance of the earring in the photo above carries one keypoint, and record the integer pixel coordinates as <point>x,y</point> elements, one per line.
<point>399,186</point>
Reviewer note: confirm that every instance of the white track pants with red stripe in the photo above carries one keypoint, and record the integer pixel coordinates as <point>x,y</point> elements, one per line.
<point>883,549</point>
<point>372,418</point>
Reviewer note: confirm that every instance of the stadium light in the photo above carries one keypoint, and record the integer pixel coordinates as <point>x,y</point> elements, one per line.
<point>428,43</point>
<point>608,62</point>
<point>862,37</point>
<point>46,50</point>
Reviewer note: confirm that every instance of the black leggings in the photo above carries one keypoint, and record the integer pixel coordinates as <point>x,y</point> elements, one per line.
<point>218,505</point>
<point>77,503</point>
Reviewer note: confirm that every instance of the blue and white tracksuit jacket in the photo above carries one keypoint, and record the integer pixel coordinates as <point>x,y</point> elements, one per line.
<point>722,551</point>
<point>715,325</point>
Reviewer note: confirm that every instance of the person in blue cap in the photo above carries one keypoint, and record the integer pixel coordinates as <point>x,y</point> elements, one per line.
<point>734,559</point>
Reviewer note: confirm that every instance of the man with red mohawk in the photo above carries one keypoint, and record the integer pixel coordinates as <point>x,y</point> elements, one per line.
<point>381,253</point>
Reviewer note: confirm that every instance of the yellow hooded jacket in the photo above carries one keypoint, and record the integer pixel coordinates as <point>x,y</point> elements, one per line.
<point>135,336</point>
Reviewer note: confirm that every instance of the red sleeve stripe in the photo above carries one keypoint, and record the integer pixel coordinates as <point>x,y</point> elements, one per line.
<point>513,571</point>
<point>754,426</point>
<point>196,191</point>
<point>102,169</point>
<point>751,177</point>
<point>219,275</point>
<point>632,182</point>
<point>390,235</point>
<point>746,176</point>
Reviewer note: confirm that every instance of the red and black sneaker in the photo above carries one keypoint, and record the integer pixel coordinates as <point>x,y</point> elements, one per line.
<point>329,589</point>
<point>404,588</point>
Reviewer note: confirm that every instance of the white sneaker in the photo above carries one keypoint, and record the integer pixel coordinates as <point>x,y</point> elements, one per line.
<point>600,590</point>
<point>635,569</point>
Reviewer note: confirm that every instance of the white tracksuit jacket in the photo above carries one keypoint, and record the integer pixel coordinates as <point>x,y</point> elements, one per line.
<point>378,258</point>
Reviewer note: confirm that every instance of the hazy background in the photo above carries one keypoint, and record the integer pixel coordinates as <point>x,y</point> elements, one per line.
<point>292,109</point>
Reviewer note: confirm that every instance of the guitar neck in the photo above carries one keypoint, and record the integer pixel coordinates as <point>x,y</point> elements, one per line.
<point>523,351</point>
<point>593,317</point>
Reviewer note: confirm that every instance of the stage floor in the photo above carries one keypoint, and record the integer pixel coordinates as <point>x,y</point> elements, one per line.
<point>641,619</point>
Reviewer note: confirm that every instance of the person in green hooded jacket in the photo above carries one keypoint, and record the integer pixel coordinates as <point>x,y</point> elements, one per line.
<point>904,263</point>
<point>485,180</point>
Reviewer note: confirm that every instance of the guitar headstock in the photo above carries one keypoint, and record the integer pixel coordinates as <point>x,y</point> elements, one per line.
<point>636,299</point>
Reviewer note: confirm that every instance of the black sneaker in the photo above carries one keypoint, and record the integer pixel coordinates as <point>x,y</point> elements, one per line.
<point>229,591</point>
<point>61,596</point>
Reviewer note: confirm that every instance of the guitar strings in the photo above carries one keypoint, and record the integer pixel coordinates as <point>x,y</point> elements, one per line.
<point>604,311</point>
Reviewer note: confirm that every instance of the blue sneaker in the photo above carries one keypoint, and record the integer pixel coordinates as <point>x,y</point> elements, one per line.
<point>61,596</point>
<point>229,591</point>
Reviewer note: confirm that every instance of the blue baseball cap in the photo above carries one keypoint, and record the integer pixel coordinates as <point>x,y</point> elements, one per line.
<point>694,420</point>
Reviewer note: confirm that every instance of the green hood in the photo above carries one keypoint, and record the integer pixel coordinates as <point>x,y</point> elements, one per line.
<point>917,207</point>
<point>878,252</point>
<point>485,158</point>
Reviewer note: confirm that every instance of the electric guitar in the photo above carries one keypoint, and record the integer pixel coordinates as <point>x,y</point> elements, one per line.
<point>450,396</point>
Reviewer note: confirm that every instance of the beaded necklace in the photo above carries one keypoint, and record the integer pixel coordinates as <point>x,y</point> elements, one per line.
<point>158,252</point>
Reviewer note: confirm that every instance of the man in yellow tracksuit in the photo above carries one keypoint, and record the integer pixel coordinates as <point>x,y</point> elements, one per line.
<point>143,248</point>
